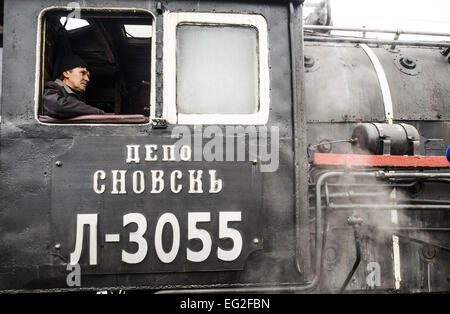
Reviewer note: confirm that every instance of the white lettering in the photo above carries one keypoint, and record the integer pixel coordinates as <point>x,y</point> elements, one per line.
<point>133,154</point>
<point>172,254</point>
<point>185,153</point>
<point>138,181</point>
<point>203,235</point>
<point>215,185</point>
<point>168,152</point>
<point>99,174</point>
<point>149,150</point>
<point>157,181</point>
<point>118,181</point>
<point>137,237</point>
<point>195,183</point>
<point>91,220</point>
<point>175,188</point>
<point>226,232</point>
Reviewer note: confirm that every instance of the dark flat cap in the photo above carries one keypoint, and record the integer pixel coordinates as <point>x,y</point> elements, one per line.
<point>70,62</point>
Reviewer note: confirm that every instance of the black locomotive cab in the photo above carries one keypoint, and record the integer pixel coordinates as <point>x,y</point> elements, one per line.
<point>226,146</point>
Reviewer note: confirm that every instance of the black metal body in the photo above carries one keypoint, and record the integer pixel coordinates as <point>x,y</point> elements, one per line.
<point>294,239</point>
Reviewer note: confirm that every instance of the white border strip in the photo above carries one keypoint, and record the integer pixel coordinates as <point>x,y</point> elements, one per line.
<point>386,92</point>
<point>388,112</point>
<point>39,64</point>
<point>171,20</point>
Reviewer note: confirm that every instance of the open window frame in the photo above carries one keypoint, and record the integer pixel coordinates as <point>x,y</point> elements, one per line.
<point>110,119</point>
<point>171,21</point>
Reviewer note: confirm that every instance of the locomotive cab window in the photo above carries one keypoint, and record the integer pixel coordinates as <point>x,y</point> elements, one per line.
<point>216,68</point>
<point>95,66</point>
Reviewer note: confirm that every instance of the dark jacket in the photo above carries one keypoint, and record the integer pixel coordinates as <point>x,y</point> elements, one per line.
<point>61,102</point>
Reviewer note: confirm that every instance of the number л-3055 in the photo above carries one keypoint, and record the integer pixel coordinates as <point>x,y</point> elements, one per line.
<point>137,237</point>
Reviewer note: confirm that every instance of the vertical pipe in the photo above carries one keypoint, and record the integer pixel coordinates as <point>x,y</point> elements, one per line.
<point>357,261</point>
<point>302,234</point>
<point>396,37</point>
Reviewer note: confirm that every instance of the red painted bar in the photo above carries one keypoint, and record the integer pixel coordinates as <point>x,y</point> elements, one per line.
<point>380,160</point>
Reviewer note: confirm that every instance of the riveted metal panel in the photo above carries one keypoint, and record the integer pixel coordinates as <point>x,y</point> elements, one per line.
<point>343,86</point>
<point>74,186</point>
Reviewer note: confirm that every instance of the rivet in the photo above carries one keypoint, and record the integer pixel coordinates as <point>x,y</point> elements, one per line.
<point>255,241</point>
<point>57,245</point>
<point>58,163</point>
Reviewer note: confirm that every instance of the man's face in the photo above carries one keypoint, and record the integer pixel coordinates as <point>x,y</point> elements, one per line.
<point>77,78</point>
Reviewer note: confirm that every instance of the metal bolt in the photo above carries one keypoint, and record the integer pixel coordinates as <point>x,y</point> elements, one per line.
<point>325,146</point>
<point>58,163</point>
<point>57,245</point>
<point>330,254</point>
<point>408,62</point>
<point>429,252</point>
<point>354,220</point>
<point>309,61</point>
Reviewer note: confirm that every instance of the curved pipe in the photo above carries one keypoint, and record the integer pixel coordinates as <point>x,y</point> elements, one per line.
<point>357,261</point>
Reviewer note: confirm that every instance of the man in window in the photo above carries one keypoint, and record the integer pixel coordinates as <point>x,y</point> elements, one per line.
<point>64,98</point>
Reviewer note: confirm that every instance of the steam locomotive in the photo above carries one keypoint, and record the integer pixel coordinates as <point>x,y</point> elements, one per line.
<point>242,151</point>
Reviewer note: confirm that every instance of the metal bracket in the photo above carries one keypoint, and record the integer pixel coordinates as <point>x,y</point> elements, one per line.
<point>386,146</point>
<point>396,37</point>
<point>159,123</point>
<point>416,147</point>
<point>159,8</point>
